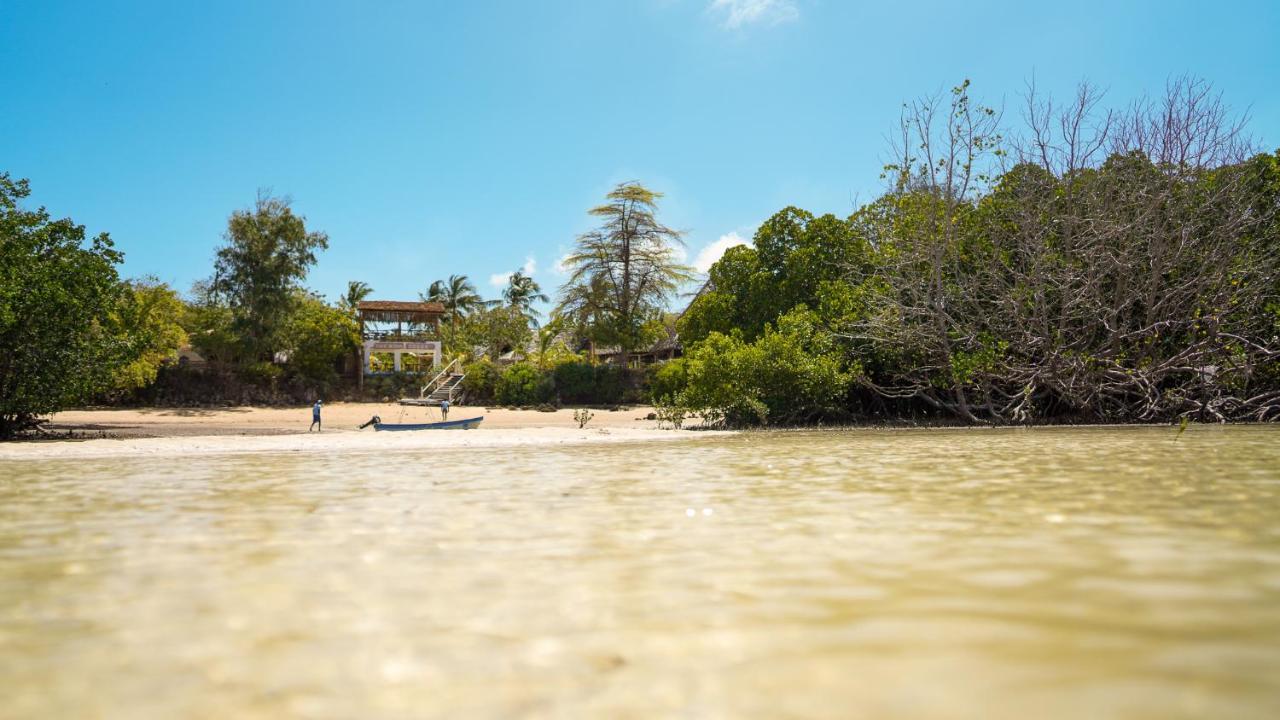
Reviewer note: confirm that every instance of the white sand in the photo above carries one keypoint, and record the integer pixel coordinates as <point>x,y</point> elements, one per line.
<point>342,441</point>
<point>180,431</point>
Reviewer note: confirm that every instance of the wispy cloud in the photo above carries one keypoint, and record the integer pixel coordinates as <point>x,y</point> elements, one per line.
<point>711,253</point>
<point>736,14</point>
<point>499,280</point>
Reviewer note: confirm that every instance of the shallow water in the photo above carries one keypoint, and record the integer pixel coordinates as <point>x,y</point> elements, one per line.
<point>1046,573</point>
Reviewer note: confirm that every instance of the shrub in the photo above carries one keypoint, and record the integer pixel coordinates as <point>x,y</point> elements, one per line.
<point>481,381</point>
<point>393,385</point>
<point>789,375</point>
<point>579,382</point>
<point>610,384</point>
<point>523,384</point>
<point>667,380</point>
<point>575,382</point>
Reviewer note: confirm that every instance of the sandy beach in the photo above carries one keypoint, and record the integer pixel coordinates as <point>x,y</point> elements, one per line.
<point>172,431</point>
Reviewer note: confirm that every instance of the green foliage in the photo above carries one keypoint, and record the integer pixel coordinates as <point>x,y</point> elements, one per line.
<point>582,382</point>
<point>795,256</point>
<point>671,414</point>
<point>582,416</point>
<point>551,349</point>
<point>208,323</point>
<point>481,381</point>
<point>460,299</point>
<point>575,382</point>
<point>60,337</point>
<point>357,291</point>
<point>623,272</point>
<point>393,385</point>
<point>668,380</point>
<point>794,374</point>
<point>150,315</point>
<point>494,331</point>
<point>267,254</point>
<point>521,293</point>
<point>316,337</point>
<point>523,384</point>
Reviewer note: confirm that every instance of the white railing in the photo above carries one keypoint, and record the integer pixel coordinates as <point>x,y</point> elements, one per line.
<point>429,387</point>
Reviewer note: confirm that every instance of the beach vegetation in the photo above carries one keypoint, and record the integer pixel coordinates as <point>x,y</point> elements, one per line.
<point>623,272</point>
<point>151,316</point>
<point>521,292</point>
<point>480,383</point>
<point>257,273</point>
<point>792,374</point>
<point>315,339</point>
<point>522,384</point>
<point>1092,264</point>
<point>63,339</point>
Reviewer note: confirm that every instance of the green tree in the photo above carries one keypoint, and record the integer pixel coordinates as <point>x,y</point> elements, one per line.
<point>523,384</point>
<point>624,271</point>
<point>208,322</point>
<point>794,255</point>
<point>357,291</point>
<point>551,348</point>
<point>794,374</point>
<point>521,293</point>
<point>267,255</point>
<point>494,331</point>
<point>60,336</point>
<point>458,295</point>
<point>460,299</point>
<point>151,315</point>
<point>316,337</point>
<point>740,296</point>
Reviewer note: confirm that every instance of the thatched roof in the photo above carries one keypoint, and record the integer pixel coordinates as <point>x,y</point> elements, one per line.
<point>399,311</point>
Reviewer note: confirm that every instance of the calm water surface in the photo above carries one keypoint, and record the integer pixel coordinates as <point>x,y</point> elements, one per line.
<point>1023,574</point>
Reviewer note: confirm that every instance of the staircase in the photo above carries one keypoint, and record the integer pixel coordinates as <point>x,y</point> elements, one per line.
<point>448,388</point>
<point>445,386</point>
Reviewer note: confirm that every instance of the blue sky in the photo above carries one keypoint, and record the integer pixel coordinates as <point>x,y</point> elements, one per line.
<point>471,137</point>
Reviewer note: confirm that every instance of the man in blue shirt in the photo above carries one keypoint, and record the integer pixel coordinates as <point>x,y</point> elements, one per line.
<point>315,417</point>
<point>444,410</point>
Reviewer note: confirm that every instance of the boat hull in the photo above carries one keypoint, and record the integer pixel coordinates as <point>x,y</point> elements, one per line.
<point>465,424</point>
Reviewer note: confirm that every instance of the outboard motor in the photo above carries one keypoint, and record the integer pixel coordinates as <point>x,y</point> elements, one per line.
<point>375,420</point>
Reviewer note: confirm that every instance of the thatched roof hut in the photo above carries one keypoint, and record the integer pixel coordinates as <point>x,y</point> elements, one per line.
<point>400,311</point>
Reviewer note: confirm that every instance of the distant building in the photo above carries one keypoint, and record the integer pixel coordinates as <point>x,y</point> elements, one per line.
<point>405,347</point>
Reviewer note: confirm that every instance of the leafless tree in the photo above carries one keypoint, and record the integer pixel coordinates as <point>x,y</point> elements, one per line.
<point>1112,263</point>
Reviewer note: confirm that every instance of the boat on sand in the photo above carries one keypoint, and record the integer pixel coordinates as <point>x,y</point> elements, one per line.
<point>463,424</point>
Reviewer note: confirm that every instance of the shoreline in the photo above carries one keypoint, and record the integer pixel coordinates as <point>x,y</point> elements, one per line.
<point>337,441</point>
<point>160,432</point>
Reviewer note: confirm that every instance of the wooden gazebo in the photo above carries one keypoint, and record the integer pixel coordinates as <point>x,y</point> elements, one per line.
<point>417,326</point>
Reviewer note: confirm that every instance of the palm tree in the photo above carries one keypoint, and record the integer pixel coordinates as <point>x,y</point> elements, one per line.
<point>350,301</point>
<point>356,291</point>
<point>459,297</point>
<point>521,292</point>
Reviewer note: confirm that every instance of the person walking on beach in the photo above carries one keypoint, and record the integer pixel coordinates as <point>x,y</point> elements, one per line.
<point>315,417</point>
<point>444,411</point>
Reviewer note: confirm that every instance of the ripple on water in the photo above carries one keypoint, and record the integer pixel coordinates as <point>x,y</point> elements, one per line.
<point>1047,573</point>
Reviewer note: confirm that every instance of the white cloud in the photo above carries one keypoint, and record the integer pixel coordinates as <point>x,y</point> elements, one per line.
<point>499,280</point>
<point>678,252</point>
<point>711,253</point>
<point>562,265</point>
<point>735,14</point>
